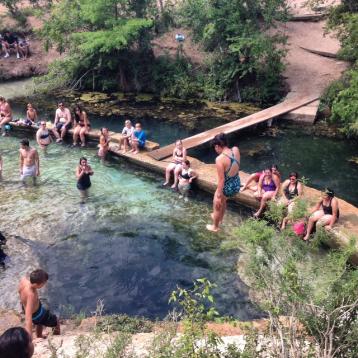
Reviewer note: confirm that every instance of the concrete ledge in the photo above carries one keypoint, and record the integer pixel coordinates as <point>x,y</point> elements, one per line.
<point>93,135</point>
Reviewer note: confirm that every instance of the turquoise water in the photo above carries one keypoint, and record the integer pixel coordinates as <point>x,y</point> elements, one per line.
<point>130,244</point>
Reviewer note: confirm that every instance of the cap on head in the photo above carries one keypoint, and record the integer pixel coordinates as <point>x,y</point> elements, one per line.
<point>38,276</point>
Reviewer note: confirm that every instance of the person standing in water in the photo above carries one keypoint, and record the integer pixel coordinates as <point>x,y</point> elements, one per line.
<point>103,143</point>
<point>83,173</point>
<point>29,161</point>
<point>35,313</point>
<point>227,166</point>
<point>43,136</point>
<point>5,114</point>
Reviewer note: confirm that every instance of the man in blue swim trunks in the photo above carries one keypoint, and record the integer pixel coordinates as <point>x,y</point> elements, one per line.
<point>227,166</point>
<point>35,313</point>
<point>138,138</point>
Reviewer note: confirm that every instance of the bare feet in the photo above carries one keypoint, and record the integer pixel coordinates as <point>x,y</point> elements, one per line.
<point>165,183</point>
<point>173,186</point>
<point>257,215</point>
<point>135,152</point>
<point>212,228</point>
<point>212,217</point>
<point>305,238</point>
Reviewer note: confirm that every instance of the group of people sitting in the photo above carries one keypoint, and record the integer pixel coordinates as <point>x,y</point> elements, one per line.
<point>266,186</point>
<point>133,137</point>
<point>10,41</point>
<point>179,166</point>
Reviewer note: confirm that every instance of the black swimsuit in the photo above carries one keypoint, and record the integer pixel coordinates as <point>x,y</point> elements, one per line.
<point>84,182</point>
<point>291,194</point>
<point>328,209</point>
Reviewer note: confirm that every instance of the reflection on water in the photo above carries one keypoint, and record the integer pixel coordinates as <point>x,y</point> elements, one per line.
<point>129,245</point>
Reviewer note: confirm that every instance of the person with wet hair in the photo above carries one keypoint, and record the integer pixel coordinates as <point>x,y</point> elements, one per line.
<point>29,161</point>
<point>227,166</point>
<point>35,312</point>
<point>186,177</point>
<point>16,343</point>
<point>325,213</point>
<point>83,173</point>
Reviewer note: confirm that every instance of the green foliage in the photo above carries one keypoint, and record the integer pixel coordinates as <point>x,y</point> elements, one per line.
<point>319,291</point>
<point>342,96</point>
<point>244,58</point>
<point>124,323</point>
<point>275,212</point>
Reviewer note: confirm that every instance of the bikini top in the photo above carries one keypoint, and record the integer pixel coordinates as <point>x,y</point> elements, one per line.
<point>232,161</point>
<point>271,186</point>
<point>185,174</point>
<point>290,194</point>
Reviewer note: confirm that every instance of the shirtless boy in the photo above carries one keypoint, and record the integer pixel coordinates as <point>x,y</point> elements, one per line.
<point>5,114</point>
<point>35,313</point>
<point>29,161</point>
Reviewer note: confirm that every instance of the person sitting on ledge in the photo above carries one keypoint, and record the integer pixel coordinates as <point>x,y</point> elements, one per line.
<point>82,128</point>
<point>63,122</point>
<point>268,187</point>
<point>179,157</point>
<point>35,313</point>
<point>255,177</point>
<point>43,136</point>
<point>5,114</point>
<point>127,133</point>
<point>291,189</point>
<point>138,138</point>
<point>325,213</point>
<point>103,143</point>
<point>31,115</point>
<point>15,342</point>
<point>186,177</point>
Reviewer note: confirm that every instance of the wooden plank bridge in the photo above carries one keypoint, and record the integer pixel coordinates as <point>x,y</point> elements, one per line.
<point>279,109</point>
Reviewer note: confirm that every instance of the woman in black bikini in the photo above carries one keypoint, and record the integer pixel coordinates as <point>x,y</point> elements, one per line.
<point>325,213</point>
<point>83,173</point>
<point>179,156</point>
<point>83,126</point>
<point>291,189</point>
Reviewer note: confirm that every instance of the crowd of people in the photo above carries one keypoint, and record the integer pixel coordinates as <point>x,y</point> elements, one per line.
<point>10,41</point>
<point>266,186</point>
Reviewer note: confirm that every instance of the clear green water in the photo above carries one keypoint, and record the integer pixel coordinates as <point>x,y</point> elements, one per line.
<point>129,245</point>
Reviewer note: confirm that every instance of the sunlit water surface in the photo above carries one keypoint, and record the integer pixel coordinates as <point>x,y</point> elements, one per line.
<point>129,245</point>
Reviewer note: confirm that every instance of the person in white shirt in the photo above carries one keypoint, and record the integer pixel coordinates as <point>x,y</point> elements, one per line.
<point>63,121</point>
<point>127,133</point>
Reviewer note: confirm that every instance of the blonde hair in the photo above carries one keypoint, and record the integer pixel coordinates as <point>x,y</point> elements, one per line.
<point>128,122</point>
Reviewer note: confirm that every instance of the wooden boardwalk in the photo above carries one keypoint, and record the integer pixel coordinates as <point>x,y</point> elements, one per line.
<point>256,118</point>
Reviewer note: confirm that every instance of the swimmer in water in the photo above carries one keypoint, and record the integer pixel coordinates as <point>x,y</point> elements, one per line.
<point>83,173</point>
<point>43,136</point>
<point>29,161</point>
<point>35,313</point>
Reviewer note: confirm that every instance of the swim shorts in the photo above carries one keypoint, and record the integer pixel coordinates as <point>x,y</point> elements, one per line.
<point>44,317</point>
<point>28,171</point>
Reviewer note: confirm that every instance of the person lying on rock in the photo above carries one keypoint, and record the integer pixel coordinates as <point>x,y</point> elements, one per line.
<point>35,313</point>
<point>325,213</point>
